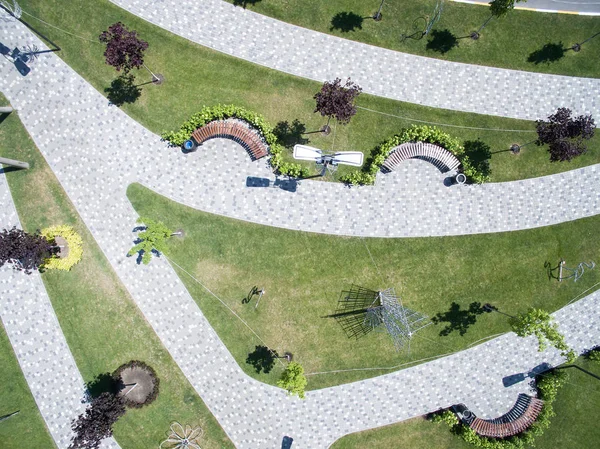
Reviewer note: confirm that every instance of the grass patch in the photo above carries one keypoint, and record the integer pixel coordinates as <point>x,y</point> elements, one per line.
<point>574,426</point>
<point>102,325</point>
<point>197,76</point>
<point>304,273</point>
<point>522,40</point>
<point>28,425</point>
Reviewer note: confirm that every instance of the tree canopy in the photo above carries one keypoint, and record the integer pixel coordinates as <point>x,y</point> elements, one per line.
<point>564,134</point>
<point>500,8</point>
<point>95,424</point>
<point>337,101</point>
<point>153,238</point>
<point>124,50</point>
<point>540,324</point>
<point>26,252</point>
<point>293,379</point>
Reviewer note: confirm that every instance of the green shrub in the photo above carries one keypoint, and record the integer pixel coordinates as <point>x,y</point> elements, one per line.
<point>74,242</point>
<point>415,133</point>
<point>293,380</point>
<point>593,354</point>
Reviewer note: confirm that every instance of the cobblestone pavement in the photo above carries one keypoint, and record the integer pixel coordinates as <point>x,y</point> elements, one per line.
<point>95,151</point>
<point>38,341</point>
<point>386,73</point>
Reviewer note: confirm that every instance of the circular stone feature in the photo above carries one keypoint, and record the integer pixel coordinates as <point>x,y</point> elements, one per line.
<point>139,385</point>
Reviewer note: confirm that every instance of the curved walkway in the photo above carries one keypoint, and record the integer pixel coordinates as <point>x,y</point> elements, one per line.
<point>581,7</point>
<point>94,150</point>
<point>38,341</point>
<point>386,73</point>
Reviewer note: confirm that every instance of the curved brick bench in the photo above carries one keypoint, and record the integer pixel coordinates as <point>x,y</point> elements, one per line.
<point>438,156</point>
<point>516,420</point>
<point>235,130</point>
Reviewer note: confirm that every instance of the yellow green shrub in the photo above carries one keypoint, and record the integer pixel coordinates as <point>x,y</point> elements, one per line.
<point>73,241</point>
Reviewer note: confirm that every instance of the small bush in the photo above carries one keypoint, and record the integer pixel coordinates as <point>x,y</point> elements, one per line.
<point>74,242</point>
<point>593,354</point>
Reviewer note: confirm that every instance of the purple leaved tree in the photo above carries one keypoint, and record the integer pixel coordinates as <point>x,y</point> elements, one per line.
<point>564,134</point>
<point>124,50</point>
<point>337,101</point>
<point>25,252</point>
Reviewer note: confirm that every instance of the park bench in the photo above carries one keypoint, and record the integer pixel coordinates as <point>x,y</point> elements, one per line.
<point>438,156</point>
<point>235,130</point>
<point>516,420</point>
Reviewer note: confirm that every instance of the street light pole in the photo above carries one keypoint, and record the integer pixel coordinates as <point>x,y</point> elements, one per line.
<point>377,15</point>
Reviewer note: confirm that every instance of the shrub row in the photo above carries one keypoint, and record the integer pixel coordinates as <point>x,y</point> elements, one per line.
<point>258,122</point>
<point>547,385</point>
<point>74,243</point>
<point>415,134</point>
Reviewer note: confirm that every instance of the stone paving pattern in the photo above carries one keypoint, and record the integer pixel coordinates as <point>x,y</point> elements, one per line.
<point>386,73</point>
<point>38,341</point>
<point>96,150</point>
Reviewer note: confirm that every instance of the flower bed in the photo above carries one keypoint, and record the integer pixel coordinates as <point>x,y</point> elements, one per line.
<point>74,243</point>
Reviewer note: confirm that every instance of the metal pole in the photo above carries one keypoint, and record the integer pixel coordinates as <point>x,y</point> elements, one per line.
<point>14,163</point>
<point>260,295</point>
<point>6,109</point>
<point>377,15</point>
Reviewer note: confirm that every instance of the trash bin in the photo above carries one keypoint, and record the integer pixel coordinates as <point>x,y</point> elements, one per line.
<point>460,178</point>
<point>189,146</point>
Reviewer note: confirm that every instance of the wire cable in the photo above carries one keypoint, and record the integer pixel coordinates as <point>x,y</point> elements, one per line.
<point>60,29</point>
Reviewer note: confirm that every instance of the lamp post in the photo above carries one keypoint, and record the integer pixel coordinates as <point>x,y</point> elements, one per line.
<point>377,15</point>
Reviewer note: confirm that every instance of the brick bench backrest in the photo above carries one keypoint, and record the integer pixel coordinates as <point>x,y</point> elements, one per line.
<point>438,156</point>
<point>236,131</point>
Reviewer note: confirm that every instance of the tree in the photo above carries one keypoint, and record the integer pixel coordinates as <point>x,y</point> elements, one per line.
<point>540,324</point>
<point>565,135</point>
<point>153,238</point>
<point>26,252</point>
<point>124,51</point>
<point>335,100</point>
<point>498,8</point>
<point>95,424</point>
<point>293,379</point>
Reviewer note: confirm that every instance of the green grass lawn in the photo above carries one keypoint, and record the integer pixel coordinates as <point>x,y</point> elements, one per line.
<point>197,76</point>
<point>574,426</point>
<point>28,424</point>
<point>102,325</point>
<point>304,274</point>
<point>516,41</point>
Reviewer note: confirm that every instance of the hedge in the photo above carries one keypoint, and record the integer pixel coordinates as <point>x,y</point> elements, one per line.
<point>415,134</point>
<point>74,242</point>
<point>223,112</point>
<point>547,385</point>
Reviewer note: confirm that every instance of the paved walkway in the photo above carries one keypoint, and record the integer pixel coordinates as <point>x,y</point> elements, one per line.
<point>581,7</point>
<point>96,150</point>
<point>38,341</point>
<point>431,82</point>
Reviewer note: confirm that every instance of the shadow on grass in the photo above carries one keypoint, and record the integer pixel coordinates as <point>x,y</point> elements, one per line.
<point>346,21</point>
<point>550,52</point>
<point>290,135</point>
<point>262,359</point>
<point>479,154</point>
<point>123,90</point>
<point>244,3</point>
<point>457,319</point>
<point>104,383</point>
<point>441,41</point>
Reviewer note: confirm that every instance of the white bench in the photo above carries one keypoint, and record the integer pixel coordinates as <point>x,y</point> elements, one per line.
<point>438,156</point>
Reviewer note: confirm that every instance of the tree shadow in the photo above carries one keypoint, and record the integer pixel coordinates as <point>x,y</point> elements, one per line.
<point>290,135</point>
<point>479,154</point>
<point>550,52</point>
<point>458,320</point>
<point>103,383</point>
<point>123,90</point>
<point>262,359</point>
<point>441,41</point>
<point>346,21</point>
<point>244,3</point>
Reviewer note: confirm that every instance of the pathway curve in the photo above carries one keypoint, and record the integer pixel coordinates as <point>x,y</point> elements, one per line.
<point>38,341</point>
<point>96,150</point>
<point>379,71</point>
<point>581,7</point>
